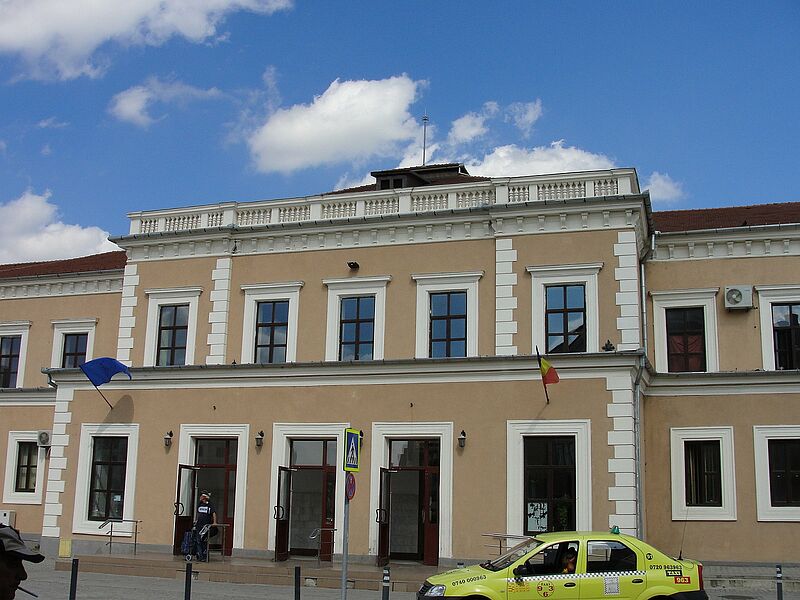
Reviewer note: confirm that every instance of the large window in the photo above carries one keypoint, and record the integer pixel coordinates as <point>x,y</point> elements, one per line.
<point>356,318</point>
<point>25,469</point>
<point>74,353</point>
<point>686,346</point>
<point>272,326</point>
<point>565,318</point>
<point>703,475</point>
<point>27,464</point>
<point>448,324</point>
<point>786,335</point>
<point>356,328</point>
<point>9,360</point>
<point>784,472</point>
<point>107,491</point>
<point>565,308</point>
<point>173,328</point>
<point>549,483</point>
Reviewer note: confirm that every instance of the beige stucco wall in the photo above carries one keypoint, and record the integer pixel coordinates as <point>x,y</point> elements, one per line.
<point>739,331</point>
<point>716,540</point>
<point>42,311</point>
<point>479,478</point>
<point>168,274</point>
<point>315,266</point>
<point>567,249</point>
<point>24,418</point>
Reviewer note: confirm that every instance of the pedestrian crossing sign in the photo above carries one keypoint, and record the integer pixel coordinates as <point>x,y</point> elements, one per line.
<point>352,450</point>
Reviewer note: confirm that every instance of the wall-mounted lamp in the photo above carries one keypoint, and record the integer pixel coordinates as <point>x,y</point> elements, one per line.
<point>260,439</point>
<point>608,346</point>
<point>462,439</point>
<point>168,439</point>
<point>353,265</point>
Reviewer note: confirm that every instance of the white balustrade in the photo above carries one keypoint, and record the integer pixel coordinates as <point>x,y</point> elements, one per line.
<point>382,206</point>
<point>427,202</point>
<point>258,216</point>
<point>338,210</point>
<point>473,199</point>
<point>562,190</point>
<point>606,187</point>
<point>518,193</point>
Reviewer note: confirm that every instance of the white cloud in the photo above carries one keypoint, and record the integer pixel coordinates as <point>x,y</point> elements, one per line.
<point>512,160</point>
<point>664,189</point>
<point>51,123</point>
<point>30,230</point>
<point>472,125</point>
<point>524,115</point>
<point>133,104</point>
<point>59,39</point>
<point>3,147</point>
<point>352,121</point>
<point>46,150</point>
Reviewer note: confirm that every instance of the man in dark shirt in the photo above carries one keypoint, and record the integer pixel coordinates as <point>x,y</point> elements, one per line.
<point>205,518</point>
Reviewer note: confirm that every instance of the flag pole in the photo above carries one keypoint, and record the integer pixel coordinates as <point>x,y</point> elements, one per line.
<point>112,408</point>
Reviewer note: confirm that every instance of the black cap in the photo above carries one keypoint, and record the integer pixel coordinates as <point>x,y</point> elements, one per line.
<point>11,543</point>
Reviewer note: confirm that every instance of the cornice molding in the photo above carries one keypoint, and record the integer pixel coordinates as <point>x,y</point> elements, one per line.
<point>740,242</point>
<point>75,284</point>
<point>723,384</point>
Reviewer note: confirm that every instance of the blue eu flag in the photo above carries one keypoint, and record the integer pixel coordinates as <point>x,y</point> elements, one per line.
<point>101,370</point>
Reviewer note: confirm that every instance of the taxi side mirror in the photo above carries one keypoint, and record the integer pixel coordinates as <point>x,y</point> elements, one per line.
<point>521,570</point>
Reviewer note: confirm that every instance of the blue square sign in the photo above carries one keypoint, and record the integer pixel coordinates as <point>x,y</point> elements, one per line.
<point>352,450</point>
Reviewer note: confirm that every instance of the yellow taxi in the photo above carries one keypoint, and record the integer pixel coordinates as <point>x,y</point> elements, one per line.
<point>572,565</point>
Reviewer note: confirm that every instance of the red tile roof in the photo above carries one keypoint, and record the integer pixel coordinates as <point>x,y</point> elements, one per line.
<point>96,262</point>
<point>727,217</point>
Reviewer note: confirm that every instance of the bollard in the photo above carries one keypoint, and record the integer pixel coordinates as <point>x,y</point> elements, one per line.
<point>385,592</point>
<point>297,583</point>
<point>779,581</point>
<point>73,582</point>
<point>187,586</point>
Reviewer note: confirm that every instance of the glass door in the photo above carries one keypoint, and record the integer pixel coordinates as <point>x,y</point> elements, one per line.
<point>281,513</point>
<point>184,504</point>
<point>215,461</point>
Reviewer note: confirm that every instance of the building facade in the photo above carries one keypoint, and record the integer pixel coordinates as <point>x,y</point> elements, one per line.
<point>412,310</point>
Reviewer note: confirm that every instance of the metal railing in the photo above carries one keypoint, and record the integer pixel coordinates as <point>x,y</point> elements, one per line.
<point>110,533</point>
<point>500,540</point>
<point>317,535</point>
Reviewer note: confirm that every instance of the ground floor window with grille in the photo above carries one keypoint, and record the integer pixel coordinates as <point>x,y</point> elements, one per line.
<point>27,462</point>
<point>549,474</point>
<point>703,473</point>
<point>107,483</point>
<point>784,472</point>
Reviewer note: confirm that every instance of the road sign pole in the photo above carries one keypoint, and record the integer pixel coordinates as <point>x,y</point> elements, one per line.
<point>345,538</point>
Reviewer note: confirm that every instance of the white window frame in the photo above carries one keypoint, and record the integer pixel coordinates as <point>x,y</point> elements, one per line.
<point>66,326</point>
<point>267,292</point>
<point>10,495</point>
<point>542,276</point>
<point>156,298</point>
<point>355,286</point>
<point>761,436</point>
<point>282,434</point>
<point>186,456</point>
<point>723,435</point>
<point>516,431</point>
<point>22,329</point>
<point>767,296</point>
<point>700,298</point>
<point>382,432</point>
<point>428,283</point>
<point>89,431</point>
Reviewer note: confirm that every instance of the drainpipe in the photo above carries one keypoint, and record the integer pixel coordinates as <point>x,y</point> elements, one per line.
<point>637,394</point>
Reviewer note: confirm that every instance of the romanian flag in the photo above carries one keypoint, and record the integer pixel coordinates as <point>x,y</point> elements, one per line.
<point>549,374</point>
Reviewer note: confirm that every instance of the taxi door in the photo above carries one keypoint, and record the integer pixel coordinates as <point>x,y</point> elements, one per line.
<point>542,575</point>
<point>613,570</point>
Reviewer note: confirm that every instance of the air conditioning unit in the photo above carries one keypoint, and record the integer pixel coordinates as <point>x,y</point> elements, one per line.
<point>738,297</point>
<point>8,517</point>
<point>43,438</point>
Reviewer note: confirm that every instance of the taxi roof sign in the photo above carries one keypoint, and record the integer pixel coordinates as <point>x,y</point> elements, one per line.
<point>352,450</point>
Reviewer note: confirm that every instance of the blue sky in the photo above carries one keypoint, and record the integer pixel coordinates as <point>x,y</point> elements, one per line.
<point>173,103</point>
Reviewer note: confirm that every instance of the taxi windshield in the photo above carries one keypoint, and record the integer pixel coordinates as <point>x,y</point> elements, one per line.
<point>512,555</point>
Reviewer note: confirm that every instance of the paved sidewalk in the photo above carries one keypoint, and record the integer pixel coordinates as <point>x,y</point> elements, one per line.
<point>50,584</point>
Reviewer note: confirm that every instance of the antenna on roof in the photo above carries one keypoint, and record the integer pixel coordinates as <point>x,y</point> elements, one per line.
<point>424,136</point>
